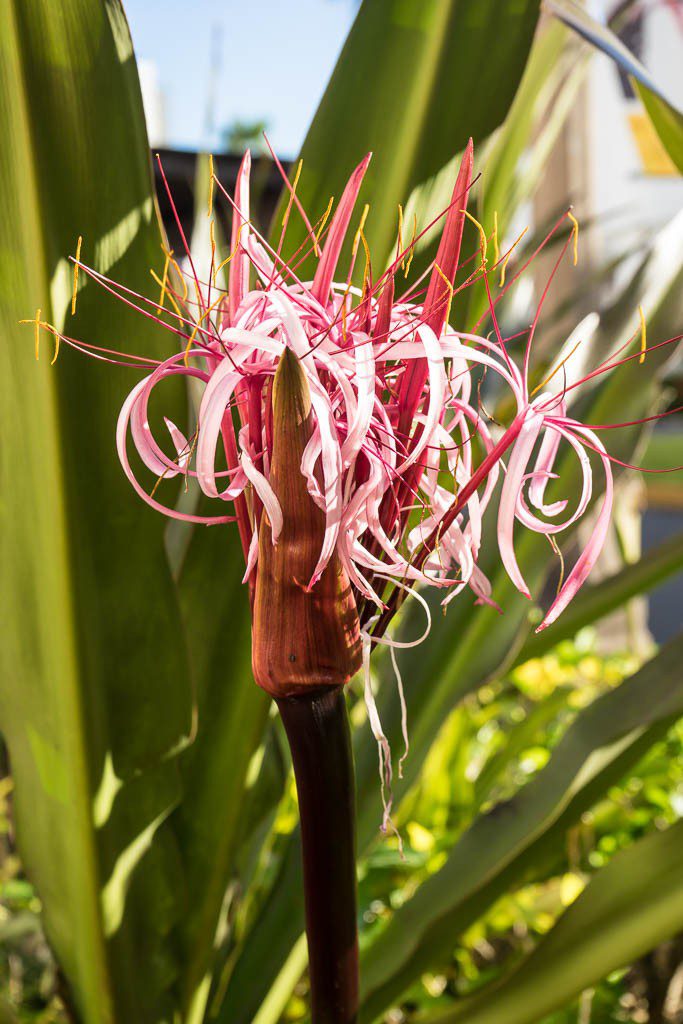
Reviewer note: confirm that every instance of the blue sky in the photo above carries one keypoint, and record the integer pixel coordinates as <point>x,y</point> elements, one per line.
<point>276,57</point>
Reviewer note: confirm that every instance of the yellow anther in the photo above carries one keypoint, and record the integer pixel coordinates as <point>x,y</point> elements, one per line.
<point>323,220</point>
<point>75,288</point>
<point>449,285</point>
<point>514,245</point>
<point>556,370</point>
<point>399,242</point>
<point>164,281</point>
<point>166,294</point>
<point>234,251</point>
<point>556,548</point>
<point>292,193</point>
<point>496,245</point>
<point>174,264</point>
<point>37,334</point>
<point>575,234</point>
<point>643,335</point>
<point>196,327</point>
<point>363,218</point>
<point>37,324</point>
<point>483,241</point>
<point>411,248</point>
<point>212,236</point>
<point>343,318</point>
<point>210,200</point>
<point>368,264</point>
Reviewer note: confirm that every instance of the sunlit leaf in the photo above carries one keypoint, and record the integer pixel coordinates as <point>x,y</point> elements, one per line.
<point>92,642</point>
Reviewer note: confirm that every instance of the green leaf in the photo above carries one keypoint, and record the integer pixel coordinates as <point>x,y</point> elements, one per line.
<point>93,647</point>
<point>231,713</point>
<point>506,843</point>
<point>412,84</point>
<point>512,161</point>
<point>666,118</point>
<point>630,906</point>
<point>594,602</point>
<point>668,122</point>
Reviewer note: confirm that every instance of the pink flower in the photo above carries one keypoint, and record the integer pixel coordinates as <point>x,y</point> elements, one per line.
<point>402,461</point>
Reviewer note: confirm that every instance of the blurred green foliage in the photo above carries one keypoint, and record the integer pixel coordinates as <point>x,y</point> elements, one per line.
<point>499,738</point>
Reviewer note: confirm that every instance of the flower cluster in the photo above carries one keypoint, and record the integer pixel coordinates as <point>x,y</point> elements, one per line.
<point>370,475</point>
<point>402,459</point>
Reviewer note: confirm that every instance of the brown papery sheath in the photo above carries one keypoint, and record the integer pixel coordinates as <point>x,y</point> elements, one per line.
<point>302,639</point>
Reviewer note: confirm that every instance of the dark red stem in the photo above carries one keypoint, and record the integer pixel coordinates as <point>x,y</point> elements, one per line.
<point>317,728</point>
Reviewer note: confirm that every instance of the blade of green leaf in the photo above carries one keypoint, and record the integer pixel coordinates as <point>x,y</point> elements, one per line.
<point>92,643</point>
<point>541,105</point>
<point>612,923</point>
<point>412,84</point>
<point>666,118</point>
<point>668,122</point>
<point>231,713</point>
<point>606,738</point>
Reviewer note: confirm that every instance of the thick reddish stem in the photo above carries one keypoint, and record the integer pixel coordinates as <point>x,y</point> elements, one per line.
<point>317,728</point>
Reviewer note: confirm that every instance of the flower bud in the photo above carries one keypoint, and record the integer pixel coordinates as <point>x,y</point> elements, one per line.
<point>302,637</point>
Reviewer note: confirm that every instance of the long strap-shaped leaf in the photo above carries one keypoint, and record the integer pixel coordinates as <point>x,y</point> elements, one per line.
<point>627,909</point>
<point>412,84</point>
<point>666,118</point>
<point>94,684</point>
<point>503,844</point>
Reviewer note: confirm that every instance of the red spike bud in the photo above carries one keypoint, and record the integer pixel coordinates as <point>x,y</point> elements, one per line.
<point>436,303</point>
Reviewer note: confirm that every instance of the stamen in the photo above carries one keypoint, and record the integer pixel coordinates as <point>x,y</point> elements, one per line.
<point>292,193</point>
<point>483,241</point>
<point>37,331</point>
<point>324,219</point>
<point>496,245</point>
<point>174,264</point>
<point>197,326</point>
<point>575,234</point>
<point>514,245</point>
<point>556,548</point>
<point>557,369</point>
<point>399,239</point>
<point>233,253</point>
<point>643,335</point>
<point>166,292</point>
<point>411,249</point>
<point>359,233</point>
<point>76,262</point>
<point>449,286</point>
<point>164,279</point>
<point>210,200</point>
